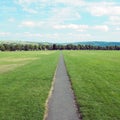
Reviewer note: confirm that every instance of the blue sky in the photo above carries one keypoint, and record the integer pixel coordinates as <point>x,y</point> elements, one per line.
<point>60,20</point>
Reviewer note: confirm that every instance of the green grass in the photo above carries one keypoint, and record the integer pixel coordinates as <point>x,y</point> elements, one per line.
<point>95,77</point>
<point>24,89</point>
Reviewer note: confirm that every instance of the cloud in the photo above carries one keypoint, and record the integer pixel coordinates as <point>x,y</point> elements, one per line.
<point>49,2</point>
<point>55,37</point>
<point>56,10</point>
<point>7,9</point>
<point>32,35</point>
<point>103,28</point>
<point>11,20</point>
<point>60,15</point>
<point>82,28</point>
<point>31,24</point>
<point>30,10</point>
<point>70,2</point>
<point>114,20</point>
<point>117,29</point>
<point>97,11</point>
<point>27,5</point>
<point>2,34</point>
<point>114,23</point>
<point>94,8</point>
<point>72,19</point>
<point>103,8</point>
<point>100,11</point>
<point>27,2</point>
<point>28,34</point>
<point>72,26</point>
<point>28,24</point>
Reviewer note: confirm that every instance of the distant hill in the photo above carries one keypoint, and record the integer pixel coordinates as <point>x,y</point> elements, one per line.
<point>23,42</point>
<point>96,43</point>
<point>93,43</point>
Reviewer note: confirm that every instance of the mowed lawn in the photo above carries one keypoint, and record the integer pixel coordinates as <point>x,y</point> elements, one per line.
<point>95,77</point>
<point>25,81</point>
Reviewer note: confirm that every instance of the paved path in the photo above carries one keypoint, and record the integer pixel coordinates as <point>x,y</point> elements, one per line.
<point>61,105</point>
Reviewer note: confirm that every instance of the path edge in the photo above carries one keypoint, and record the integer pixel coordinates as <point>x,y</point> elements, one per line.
<point>49,95</point>
<point>77,106</point>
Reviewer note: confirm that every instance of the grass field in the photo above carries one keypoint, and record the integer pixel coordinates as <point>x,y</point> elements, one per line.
<point>25,80</point>
<point>95,77</point>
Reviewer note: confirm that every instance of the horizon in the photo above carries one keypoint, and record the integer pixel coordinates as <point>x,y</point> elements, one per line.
<point>60,21</point>
<point>19,41</point>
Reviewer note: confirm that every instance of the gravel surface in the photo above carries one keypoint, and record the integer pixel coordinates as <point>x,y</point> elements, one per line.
<point>61,105</point>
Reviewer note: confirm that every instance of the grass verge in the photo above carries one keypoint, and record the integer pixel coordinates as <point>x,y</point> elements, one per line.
<point>95,77</point>
<point>24,90</point>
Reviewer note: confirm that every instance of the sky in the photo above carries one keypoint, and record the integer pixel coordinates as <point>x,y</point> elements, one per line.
<point>60,20</point>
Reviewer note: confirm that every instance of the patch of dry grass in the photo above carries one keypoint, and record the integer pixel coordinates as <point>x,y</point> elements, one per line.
<point>10,67</point>
<point>24,89</point>
<point>9,64</point>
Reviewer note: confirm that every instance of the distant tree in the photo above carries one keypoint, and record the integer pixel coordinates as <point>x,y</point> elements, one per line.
<point>7,47</point>
<point>61,47</point>
<point>49,47</point>
<point>35,47</point>
<point>26,47</point>
<point>2,47</point>
<point>17,47</point>
<point>117,47</point>
<point>69,47</point>
<point>43,47</point>
<point>54,47</point>
<point>31,47</point>
<point>12,47</point>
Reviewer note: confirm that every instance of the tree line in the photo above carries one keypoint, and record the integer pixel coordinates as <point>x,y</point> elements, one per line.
<point>32,47</point>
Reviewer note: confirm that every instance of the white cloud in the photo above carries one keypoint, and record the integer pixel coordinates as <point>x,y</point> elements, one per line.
<point>59,26</point>
<point>28,24</point>
<point>67,12</point>
<point>2,34</point>
<point>26,5</point>
<point>55,37</point>
<point>27,2</point>
<point>7,8</point>
<point>78,35</point>
<point>95,8</point>
<point>97,11</point>
<point>28,34</point>
<point>30,10</point>
<point>114,20</point>
<point>60,15</point>
<point>117,28</point>
<point>114,23</point>
<point>66,37</point>
<point>82,28</point>
<point>103,8</point>
<point>64,17</point>
<point>70,2</point>
<point>103,28</point>
<point>11,20</point>
<point>66,2</point>
<point>31,24</point>
<point>72,26</point>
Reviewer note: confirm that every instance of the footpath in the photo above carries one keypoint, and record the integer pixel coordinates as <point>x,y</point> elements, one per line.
<point>61,105</point>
